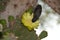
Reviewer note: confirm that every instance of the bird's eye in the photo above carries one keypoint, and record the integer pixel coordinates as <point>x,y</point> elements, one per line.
<point>37,12</point>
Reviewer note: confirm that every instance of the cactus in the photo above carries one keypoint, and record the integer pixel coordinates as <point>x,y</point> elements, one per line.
<point>4,23</point>
<point>22,32</point>
<point>43,34</point>
<point>10,18</point>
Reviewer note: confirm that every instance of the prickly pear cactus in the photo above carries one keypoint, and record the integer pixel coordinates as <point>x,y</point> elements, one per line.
<point>24,34</point>
<point>17,31</point>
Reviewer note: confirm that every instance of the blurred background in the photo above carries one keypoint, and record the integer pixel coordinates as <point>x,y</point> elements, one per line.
<point>10,19</point>
<point>50,21</point>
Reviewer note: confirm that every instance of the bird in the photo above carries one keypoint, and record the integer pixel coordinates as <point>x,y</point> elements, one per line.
<point>30,17</point>
<point>37,13</point>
